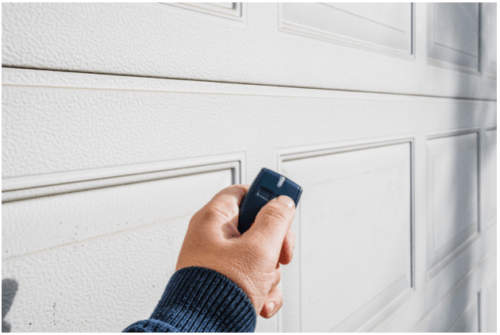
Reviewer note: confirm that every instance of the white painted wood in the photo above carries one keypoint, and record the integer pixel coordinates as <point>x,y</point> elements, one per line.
<point>384,237</point>
<point>186,44</point>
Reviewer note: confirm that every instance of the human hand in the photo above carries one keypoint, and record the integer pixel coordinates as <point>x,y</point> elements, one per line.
<point>251,260</point>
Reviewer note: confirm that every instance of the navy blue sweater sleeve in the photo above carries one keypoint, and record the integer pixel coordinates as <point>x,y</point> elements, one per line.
<point>200,300</point>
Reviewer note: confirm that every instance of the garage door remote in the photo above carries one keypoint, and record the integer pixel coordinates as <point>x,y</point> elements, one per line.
<point>266,186</point>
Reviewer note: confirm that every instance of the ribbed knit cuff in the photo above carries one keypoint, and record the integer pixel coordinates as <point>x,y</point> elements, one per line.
<point>202,300</point>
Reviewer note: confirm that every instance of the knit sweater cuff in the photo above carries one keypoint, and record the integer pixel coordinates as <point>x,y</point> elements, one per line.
<point>202,300</point>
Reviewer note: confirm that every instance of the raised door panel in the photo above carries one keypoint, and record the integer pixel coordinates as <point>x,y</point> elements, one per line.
<point>452,199</point>
<point>72,254</point>
<point>229,10</point>
<point>355,240</point>
<point>362,46</point>
<point>489,307</point>
<point>457,312</point>
<point>489,16</point>
<point>468,321</point>
<point>454,35</point>
<point>491,177</point>
<point>378,27</point>
<point>60,129</point>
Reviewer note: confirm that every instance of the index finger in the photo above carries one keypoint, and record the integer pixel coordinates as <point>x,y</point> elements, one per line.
<point>227,201</point>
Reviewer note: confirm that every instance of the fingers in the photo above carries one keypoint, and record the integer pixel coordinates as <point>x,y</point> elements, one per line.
<point>286,254</point>
<point>224,206</point>
<point>277,277</point>
<point>273,303</point>
<point>229,199</point>
<point>272,223</point>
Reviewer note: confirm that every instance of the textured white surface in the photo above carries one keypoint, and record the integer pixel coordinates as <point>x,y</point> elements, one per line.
<point>491,177</point>
<point>75,125</point>
<point>103,284</point>
<point>453,198</point>
<point>101,172</point>
<point>104,262</point>
<point>157,40</point>
<point>443,316</point>
<point>489,306</point>
<point>468,321</point>
<point>355,212</point>
<point>51,221</point>
<point>454,33</point>
<point>376,26</point>
<point>490,23</point>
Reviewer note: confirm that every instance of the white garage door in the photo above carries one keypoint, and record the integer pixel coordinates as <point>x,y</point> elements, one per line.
<point>119,121</point>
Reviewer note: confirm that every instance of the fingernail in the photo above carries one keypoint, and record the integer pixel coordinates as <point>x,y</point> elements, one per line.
<point>270,307</point>
<point>286,200</point>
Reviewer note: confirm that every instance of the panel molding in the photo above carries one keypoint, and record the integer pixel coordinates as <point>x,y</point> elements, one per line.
<point>299,29</point>
<point>434,48</point>
<point>470,312</point>
<point>75,80</point>
<point>465,289</point>
<point>228,10</point>
<point>489,16</point>
<point>488,308</point>
<point>367,323</point>
<point>116,185</point>
<point>437,261</point>
<point>491,168</point>
<point>28,187</point>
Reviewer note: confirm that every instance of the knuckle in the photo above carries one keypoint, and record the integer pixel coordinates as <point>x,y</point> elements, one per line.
<point>211,213</point>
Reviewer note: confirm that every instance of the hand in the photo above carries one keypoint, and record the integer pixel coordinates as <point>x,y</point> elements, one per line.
<point>251,260</point>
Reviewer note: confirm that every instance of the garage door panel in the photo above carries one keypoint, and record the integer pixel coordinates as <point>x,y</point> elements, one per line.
<point>197,44</point>
<point>384,28</point>
<point>459,309</point>
<point>121,120</point>
<point>228,10</point>
<point>96,247</point>
<point>83,136</point>
<point>491,177</point>
<point>468,321</point>
<point>74,286</point>
<point>83,209</point>
<point>337,234</point>
<point>453,217</point>
<point>489,38</point>
<point>454,33</point>
<point>489,306</point>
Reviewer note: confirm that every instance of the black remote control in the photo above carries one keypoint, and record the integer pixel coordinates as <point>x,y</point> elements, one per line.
<point>266,186</point>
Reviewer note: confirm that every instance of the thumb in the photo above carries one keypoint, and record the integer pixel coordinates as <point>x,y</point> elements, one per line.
<point>272,223</point>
